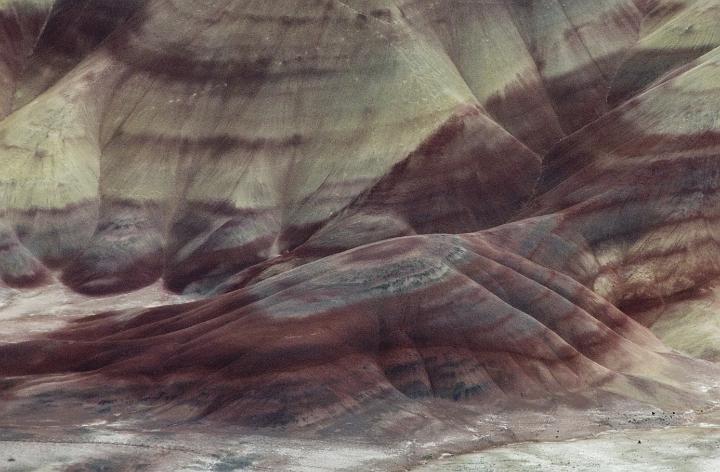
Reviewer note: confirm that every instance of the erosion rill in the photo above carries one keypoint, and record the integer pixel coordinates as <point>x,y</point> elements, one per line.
<point>389,220</point>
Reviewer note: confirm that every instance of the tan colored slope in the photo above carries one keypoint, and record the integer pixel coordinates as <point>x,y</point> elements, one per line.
<point>673,34</point>
<point>202,154</point>
<point>327,126</point>
<point>543,68</point>
<point>69,32</point>
<point>21,22</point>
<point>637,191</point>
<point>688,322</point>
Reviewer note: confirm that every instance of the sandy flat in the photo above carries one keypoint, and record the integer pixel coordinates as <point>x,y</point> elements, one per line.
<point>675,449</point>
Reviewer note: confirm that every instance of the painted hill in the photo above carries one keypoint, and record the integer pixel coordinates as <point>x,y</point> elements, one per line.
<point>383,203</point>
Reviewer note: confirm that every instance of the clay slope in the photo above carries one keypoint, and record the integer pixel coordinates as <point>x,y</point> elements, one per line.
<point>543,68</point>
<point>196,156</point>
<point>240,161</point>
<point>193,157</point>
<point>454,317</point>
<point>638,190</point>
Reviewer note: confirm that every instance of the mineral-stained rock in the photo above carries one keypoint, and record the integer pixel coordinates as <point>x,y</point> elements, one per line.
<point>392,202</point>
<point>243,141</point>
<point>557,58</point>
<point>454,317</point>
<point>638,190</point>
<point>674,33</point>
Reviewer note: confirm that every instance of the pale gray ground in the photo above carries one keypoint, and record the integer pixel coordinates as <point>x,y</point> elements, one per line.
<point>693,448</point>
<point>675,449</point>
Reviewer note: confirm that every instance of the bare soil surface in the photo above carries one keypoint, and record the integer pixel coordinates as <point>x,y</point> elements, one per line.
<point>693,448</point>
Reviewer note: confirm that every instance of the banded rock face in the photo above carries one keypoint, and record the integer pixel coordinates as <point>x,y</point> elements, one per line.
<point>360,183</point>
<point>194,157</point>
<point>360,333</point>
<point>638,190</point>
<point>541,68</point>
<point>673,34</point>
